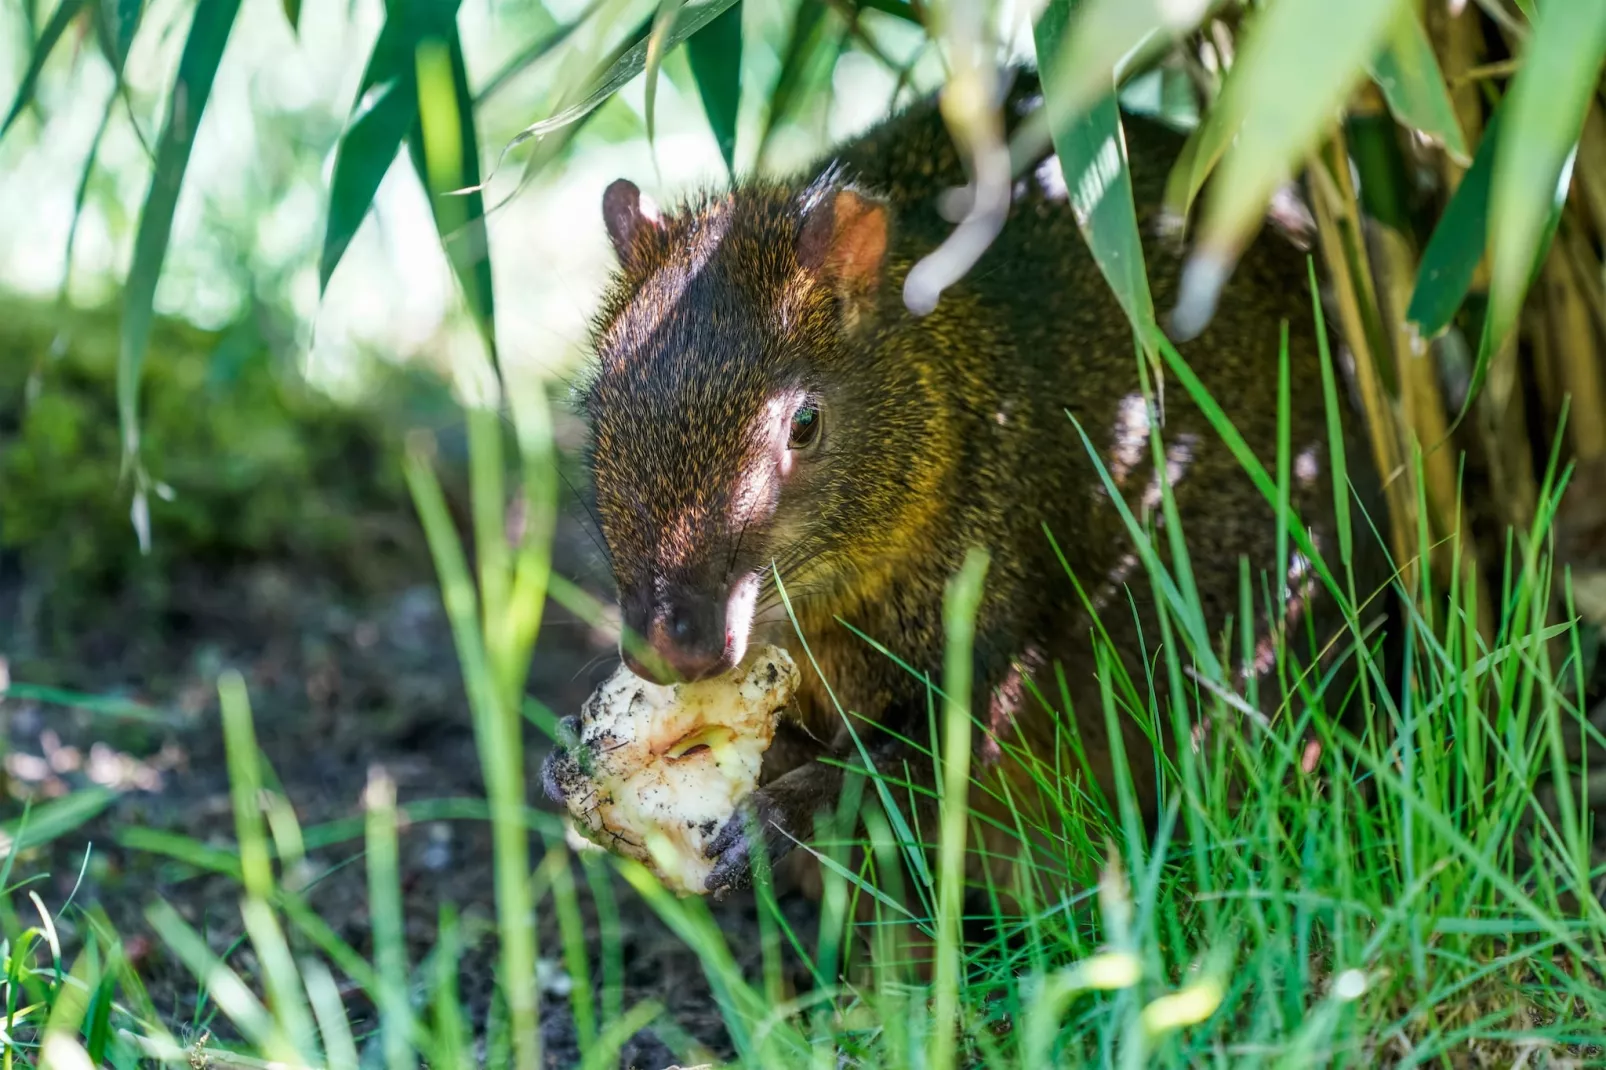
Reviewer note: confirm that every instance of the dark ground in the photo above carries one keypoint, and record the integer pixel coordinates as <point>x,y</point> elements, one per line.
<point>339,683</point>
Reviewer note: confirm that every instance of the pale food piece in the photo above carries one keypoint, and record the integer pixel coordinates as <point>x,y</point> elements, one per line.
<point>658,770</point>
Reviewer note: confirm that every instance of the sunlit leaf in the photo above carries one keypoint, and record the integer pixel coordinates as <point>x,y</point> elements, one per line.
<point>1104,34</point>
<point>1092,155</point>
<point>626,67</point>
<point>459,217</point>
<point>1408,73</point>
<point>536,51</point>
<point>197,67</point>
<point>124,18</point>
<point>48,38</point>
<point>715,56</point>
<point>657,48</point>
<point>900,9</point>
<point>1297,64</point>
<point>1453,252</point>
<point>803,44</point>
<point>1533,162</point>
<point>382,117</point>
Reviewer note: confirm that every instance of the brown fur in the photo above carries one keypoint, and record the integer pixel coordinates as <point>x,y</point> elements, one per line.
<point>940,433</point>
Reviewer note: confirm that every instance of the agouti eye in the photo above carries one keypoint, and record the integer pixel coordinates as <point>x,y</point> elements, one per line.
<point>805,426</point>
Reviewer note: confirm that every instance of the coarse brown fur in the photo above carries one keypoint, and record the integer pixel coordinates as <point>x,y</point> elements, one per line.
<point>940,433</point>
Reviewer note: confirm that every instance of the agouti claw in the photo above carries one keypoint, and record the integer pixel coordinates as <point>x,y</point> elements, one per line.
<point>757,824</point>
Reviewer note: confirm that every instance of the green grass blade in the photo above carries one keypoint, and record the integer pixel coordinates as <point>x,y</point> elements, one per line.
<point>292,14</point>
<point>1408,73</point>
<point>222,984</point>
<point>715,56</point>
<point>1533,164</point>
<point>1092,155</point>
<point>1457,243</point>
<point>497,727</point>
<point>197,67</point>
<point>960,603</point>
<point>52,820</point>
<point>385,913</point>
<point>1295,66</point>
<point>283,982</point>
<point>245,785</point>
<point>49,37</point>
<point>339,1049</point>
<point>100,705</point>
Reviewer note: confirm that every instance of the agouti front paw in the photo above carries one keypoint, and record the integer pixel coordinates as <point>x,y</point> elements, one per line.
<point>757,821</point>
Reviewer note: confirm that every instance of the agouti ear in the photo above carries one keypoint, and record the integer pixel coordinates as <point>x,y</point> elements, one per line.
<point>844,240</point>
<point>629,216</point>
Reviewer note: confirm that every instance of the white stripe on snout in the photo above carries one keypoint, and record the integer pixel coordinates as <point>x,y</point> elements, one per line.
<point>739,615</point>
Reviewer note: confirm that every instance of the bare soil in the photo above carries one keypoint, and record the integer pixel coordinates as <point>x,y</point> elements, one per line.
<point>340,682</point>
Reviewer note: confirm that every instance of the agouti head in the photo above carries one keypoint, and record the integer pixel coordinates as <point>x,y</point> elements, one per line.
<point>738,424</point>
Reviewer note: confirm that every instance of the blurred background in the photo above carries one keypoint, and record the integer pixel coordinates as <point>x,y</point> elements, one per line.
<point>250,249</point>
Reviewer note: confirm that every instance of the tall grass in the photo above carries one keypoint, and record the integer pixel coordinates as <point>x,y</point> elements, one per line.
<point>1402,899</point>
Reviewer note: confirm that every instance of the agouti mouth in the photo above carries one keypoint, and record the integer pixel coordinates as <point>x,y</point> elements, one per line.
<point>698,740</point>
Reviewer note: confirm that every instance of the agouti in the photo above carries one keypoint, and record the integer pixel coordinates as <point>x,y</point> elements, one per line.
<point>763,401</point>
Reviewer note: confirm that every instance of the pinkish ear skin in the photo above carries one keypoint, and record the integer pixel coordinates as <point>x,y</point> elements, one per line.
<point>844,240</point>
<point>629,216</point>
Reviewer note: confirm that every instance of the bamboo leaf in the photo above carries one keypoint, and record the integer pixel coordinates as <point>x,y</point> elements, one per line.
<point>626,67</point>
<point>1297,64</point>
<point>449,160</point>
<point>802,44</point>
<point>65,12</point>
<point>197,68</point>
<point>657,48</point>
<point>1092,155</point>
<point>382,116</point>
<point>1408,73</point>
<point>535,52</point>
<point>125,22</point>
<point>715,56</point>
<point>1453,252</point>
<point>1107,34</point>
<point>1533,163</point>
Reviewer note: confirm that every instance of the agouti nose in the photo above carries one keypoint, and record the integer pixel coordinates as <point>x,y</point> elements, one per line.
<point>688,636</point>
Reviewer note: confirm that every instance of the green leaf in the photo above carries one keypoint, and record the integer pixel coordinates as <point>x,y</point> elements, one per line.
<point>124,18</point>
<point>1295,67</point>
<point>715,56</point>
<point>197,67</point>
<point>54,819</point>
<point>802,46</point>
<point>446,154</point>
<point>1107,35</point>
<point>1408,73</point>
<point>1452,254</point>
<point>626,67</point>
<point>292,14</point>
<point>657,47</point>
<point>535,52</point>
<point>382,116</point>
<point>1092,155</point>
<point>48,39</point>
<point>1533,163</point>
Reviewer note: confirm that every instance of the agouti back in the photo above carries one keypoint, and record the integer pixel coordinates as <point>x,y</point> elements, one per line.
<point>763,400</point>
